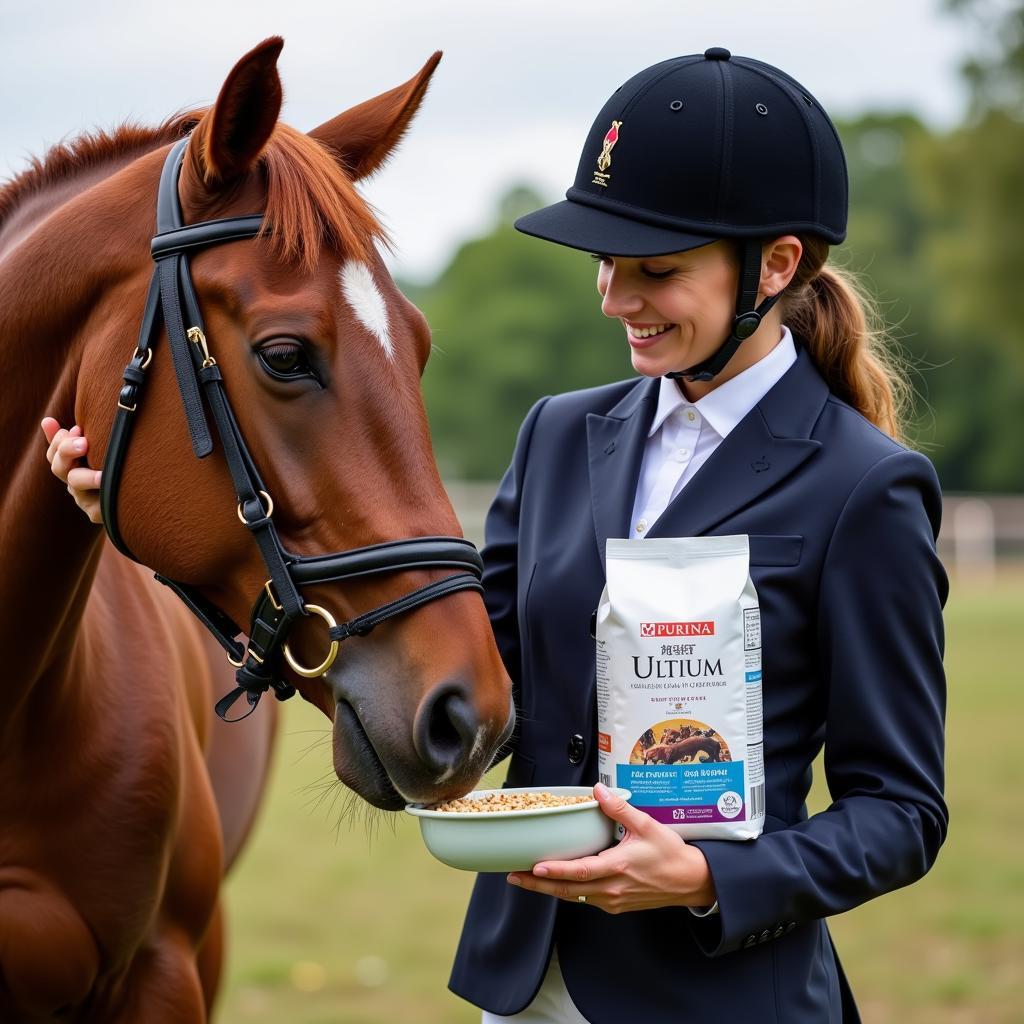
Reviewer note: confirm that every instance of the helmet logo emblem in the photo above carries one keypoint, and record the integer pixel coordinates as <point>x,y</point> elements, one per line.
<point>605,159</point>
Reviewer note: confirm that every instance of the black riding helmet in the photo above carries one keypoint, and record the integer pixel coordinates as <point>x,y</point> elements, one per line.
<point>696,149</point>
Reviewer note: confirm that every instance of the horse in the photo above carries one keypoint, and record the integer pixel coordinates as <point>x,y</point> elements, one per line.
<point>124,799</point>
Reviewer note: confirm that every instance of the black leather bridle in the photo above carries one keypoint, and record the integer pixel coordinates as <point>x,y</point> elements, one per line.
<point>172,302</point>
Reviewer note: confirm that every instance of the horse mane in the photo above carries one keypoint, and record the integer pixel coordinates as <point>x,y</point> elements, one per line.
<point>311,201</point>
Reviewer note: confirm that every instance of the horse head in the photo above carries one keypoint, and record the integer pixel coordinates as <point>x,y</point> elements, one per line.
<point>321,357</point>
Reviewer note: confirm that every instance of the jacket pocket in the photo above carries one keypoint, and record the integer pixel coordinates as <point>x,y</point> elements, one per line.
<point>524,612</point>
<point>775,549</point>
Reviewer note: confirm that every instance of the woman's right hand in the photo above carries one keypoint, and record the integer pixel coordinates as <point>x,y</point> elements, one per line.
<point>65,448</point>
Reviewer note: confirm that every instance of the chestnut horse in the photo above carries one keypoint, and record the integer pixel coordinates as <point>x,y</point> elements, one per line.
<point>123,799</point>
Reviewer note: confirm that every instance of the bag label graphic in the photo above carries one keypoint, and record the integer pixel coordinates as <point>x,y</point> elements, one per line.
<point>679,683</point>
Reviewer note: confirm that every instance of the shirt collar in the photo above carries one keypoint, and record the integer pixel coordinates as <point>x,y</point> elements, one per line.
<point>724,407</point>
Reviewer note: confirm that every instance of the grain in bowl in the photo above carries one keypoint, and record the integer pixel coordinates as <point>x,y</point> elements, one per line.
<point>508,800</point>
<point>513,829</point>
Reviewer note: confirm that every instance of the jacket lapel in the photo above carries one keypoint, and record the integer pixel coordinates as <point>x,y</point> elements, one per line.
<point>616,448</point>
<point>770,443</point>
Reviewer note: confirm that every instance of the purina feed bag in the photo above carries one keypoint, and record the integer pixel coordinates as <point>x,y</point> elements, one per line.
<point>679,683</point>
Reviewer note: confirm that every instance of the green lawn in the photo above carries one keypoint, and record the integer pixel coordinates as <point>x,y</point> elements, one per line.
<point>349,920</point>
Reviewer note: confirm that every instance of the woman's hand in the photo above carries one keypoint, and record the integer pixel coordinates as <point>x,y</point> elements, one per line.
<point>64,449</point>
<point>651,867</point>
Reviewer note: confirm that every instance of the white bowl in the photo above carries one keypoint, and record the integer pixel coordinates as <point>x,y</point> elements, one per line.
<point>516,840</point>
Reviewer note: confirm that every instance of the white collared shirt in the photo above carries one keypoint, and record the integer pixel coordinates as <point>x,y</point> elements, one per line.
<point>683,434</point>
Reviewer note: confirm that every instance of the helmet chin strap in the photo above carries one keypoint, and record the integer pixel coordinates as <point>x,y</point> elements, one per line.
<point>747,319</point>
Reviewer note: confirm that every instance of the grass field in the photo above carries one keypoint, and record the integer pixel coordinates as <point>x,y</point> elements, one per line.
<point>346,921</point>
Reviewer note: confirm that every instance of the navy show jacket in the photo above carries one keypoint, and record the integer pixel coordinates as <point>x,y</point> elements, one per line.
<point>842,523</point>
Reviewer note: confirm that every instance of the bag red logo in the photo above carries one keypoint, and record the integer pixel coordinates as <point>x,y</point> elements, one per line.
<point>659,629</point>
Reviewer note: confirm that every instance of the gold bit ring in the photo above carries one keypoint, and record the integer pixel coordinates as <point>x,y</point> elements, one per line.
<point>270,508</point>
<point>312,673</point>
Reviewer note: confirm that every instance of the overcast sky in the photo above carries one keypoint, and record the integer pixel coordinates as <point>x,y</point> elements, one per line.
<point>512,100</point>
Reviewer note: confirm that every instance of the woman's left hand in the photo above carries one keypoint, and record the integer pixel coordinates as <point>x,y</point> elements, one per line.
<point>651,867</point>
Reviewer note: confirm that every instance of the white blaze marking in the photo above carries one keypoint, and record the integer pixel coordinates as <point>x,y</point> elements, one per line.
<point>361,293</point>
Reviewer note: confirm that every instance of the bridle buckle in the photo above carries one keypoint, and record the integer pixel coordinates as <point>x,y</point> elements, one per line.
<point>196,334</point>
<point>273,600</point>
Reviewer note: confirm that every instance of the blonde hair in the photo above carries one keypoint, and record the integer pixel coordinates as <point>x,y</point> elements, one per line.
<point>847,338</point>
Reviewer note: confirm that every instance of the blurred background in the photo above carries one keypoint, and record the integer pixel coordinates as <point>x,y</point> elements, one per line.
<point>339,915</point>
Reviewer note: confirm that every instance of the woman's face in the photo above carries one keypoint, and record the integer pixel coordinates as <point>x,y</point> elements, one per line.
<point>676,309</point>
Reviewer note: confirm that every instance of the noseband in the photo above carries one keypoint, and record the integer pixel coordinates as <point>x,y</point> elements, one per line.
<point>172,302</point>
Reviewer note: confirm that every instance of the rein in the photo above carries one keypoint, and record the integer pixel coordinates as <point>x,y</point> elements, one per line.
<point>172,302</point>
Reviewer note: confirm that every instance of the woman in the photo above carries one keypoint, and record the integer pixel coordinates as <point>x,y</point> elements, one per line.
<point>710,188</point>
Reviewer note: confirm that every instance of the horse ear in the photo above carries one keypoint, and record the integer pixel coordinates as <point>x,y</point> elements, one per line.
<point>232,134</point>
<point>366,135</point>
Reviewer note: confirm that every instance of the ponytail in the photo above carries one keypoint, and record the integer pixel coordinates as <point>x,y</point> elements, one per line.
<point>838,320</point>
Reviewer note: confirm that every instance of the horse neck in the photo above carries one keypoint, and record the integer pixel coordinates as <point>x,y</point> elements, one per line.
<point>51,277</point>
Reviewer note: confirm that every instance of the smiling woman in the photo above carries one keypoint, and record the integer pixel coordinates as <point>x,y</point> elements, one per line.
<point>766,409</point>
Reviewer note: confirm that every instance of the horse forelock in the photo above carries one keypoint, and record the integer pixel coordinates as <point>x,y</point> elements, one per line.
<point>311,202</point>
<point>310,199</point>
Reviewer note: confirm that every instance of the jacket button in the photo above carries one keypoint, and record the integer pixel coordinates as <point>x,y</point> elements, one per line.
<point>764,936</point>
<point>778,931</point>
<point>790,926</point>
<point>577,748</point>
<point>750,940</point>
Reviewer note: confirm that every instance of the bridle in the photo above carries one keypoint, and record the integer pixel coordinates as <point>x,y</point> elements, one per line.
<point>171,302</point>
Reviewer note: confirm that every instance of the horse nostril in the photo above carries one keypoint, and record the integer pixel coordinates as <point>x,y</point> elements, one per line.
<point>445,729</point>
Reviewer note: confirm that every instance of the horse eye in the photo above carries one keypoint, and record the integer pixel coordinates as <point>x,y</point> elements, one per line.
<point>287,361</point>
